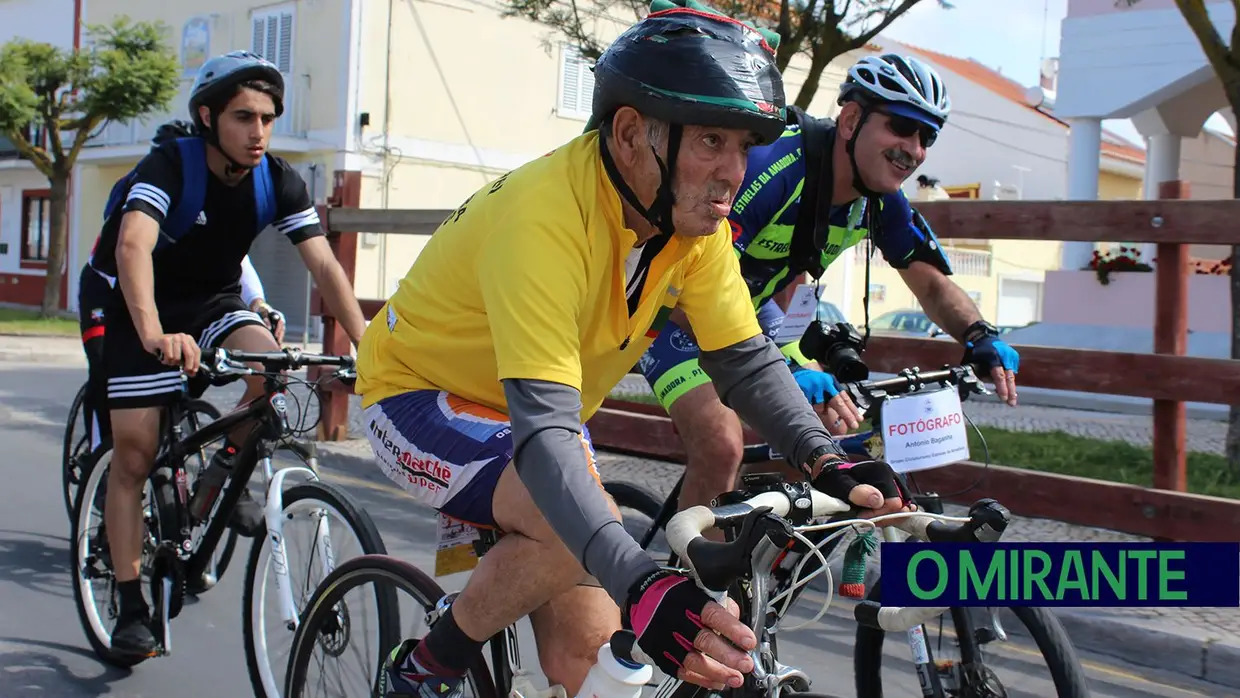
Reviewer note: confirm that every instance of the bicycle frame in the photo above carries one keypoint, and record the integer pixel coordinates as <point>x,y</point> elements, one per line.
<point>196,550</point>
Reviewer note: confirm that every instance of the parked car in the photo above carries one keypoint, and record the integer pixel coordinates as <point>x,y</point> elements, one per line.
<point>829,314</point>
<point>904,323</point>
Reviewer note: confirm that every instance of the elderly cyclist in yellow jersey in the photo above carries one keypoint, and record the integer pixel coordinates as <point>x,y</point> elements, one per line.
<point>530,303</point>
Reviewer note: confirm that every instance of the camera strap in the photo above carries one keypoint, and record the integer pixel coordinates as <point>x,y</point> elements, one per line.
<point>809,233</point>
<point>813,224</point>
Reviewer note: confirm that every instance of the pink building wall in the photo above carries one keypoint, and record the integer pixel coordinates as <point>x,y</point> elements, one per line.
<point>1077,298</point>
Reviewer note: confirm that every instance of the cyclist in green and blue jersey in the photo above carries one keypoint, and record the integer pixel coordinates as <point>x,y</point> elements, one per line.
<point>893,108</point>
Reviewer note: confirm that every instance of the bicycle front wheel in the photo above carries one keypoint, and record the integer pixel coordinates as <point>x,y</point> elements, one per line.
<point>326,626</point>
<point>991,664</point>
<point>334,528</point>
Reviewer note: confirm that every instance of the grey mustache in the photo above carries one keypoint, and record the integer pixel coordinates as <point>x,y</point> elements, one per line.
<point>901,157</point>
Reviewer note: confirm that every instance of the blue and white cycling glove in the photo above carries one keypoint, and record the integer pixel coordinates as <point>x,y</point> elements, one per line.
<point>818,386</point>
<point>984,348</point>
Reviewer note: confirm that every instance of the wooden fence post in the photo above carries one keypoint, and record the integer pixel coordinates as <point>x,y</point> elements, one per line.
<point>1171,337</point>
<point>334,408</point>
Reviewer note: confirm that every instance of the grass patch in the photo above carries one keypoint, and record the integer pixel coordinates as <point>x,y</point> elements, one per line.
<point>28,322</point>
<point>1115,461</point>
<point>1064,454</point>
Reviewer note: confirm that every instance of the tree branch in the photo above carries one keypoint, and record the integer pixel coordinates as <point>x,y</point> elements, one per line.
<point>864,38</point>
<point>1217,53</point>
<point>81,135</point>
<point>1194,13</point>
<point>37,156</point>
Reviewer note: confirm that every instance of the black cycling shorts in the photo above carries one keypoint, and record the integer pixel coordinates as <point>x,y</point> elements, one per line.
<point>136,378</point>
<point>95,299</point>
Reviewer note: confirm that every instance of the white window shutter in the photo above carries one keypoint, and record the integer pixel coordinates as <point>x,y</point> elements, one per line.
<point>577,88</point>
<point>585,95</point>
<point>258,40</point>
<point>284,54</point>
<point>572,80</point>
<point>273,39</point>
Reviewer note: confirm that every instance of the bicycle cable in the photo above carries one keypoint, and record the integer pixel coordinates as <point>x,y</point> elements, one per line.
<point>985,466</point>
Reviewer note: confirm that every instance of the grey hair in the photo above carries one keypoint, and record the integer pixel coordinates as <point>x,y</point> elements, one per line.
<point>657,132</point>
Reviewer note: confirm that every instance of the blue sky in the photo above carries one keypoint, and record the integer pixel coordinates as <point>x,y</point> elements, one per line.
<point>1005,35</point>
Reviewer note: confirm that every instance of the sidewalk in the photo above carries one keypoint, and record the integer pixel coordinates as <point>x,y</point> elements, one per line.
<point>63,350</point>
<point>1203,643</point>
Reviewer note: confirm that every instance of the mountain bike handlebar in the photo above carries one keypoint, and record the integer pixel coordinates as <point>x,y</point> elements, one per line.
<point>223,362</point>
<point>866,394</point>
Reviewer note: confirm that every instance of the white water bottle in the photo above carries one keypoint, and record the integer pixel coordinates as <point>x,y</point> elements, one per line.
<point>522,687</point>
<point>614,678</point>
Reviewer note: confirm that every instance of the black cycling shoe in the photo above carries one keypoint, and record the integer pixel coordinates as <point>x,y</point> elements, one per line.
<point>132,636</point>
<point>247,516</point>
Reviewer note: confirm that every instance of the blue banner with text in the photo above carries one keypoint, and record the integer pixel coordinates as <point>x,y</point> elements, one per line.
<point>1061,574</point>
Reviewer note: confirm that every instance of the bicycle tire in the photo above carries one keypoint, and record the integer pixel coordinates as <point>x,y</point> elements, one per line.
<point>633,496</point>
<point>363,569</point>
<point>1049,635</point>
<point>358,521</point>
<point>68,450</point>
<point>102,650</point>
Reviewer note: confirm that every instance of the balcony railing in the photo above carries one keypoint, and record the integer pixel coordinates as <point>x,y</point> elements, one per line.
<point>963,262</point>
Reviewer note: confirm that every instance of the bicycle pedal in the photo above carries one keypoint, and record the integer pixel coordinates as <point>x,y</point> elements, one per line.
<point>95,568</point>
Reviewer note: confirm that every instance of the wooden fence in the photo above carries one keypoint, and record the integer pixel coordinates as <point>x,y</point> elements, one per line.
<point>1166,376</point>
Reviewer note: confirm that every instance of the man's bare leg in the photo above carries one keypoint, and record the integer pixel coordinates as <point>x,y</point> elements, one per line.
<point>135,437</point>
<point>530,569</point>
<point>714,443</point>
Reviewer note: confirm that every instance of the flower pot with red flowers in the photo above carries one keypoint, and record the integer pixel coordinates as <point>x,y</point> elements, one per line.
<point>1123,259</point>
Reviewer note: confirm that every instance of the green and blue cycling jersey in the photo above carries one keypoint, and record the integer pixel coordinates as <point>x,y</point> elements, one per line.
<point>763,217</point>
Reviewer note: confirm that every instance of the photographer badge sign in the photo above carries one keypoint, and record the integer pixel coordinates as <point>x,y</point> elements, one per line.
<point>924,430</point>
<point>800,313</point>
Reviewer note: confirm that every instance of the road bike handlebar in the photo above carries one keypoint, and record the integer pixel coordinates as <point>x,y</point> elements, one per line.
<point>716,565</point>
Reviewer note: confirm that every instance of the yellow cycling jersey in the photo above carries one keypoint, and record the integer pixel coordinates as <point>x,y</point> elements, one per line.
<point>526,280</point>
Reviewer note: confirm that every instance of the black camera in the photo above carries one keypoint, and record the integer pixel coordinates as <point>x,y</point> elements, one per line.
<point>837,348</point>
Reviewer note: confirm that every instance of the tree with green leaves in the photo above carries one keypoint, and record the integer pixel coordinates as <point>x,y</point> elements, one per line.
<point>1224,59</point>
<point>821,30</point>
<point>129,70</point>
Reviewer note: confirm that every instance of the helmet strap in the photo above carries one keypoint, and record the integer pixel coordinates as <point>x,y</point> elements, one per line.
<point>851,147</point>
<point>660,212</point>
<point>231,167</point>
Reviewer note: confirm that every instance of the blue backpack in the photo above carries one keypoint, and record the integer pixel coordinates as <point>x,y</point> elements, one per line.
<point>194,172</point>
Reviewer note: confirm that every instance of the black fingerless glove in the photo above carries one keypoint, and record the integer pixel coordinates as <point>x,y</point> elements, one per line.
<point>664,611</point>
<point>839,479</point>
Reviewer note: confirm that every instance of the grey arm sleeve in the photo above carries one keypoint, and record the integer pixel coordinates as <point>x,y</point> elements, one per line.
<point>753,379</point>
<point>550,460</point>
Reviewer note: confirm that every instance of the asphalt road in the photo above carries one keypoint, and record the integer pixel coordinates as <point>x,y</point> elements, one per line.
<point>44,652</point>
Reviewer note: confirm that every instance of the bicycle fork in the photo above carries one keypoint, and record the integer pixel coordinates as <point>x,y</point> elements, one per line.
<point>274,514</point>
<point>928,673</point>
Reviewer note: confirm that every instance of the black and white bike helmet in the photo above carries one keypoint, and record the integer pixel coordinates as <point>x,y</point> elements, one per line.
<point>901,85</point>
<point>912,87</point>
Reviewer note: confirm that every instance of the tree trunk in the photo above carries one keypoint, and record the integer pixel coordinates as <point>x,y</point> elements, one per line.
<point>809,89</point>
<point>58,245</point>
<point>1232,447</point>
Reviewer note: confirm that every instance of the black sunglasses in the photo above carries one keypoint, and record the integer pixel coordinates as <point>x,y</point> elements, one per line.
<point>904,127</point>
